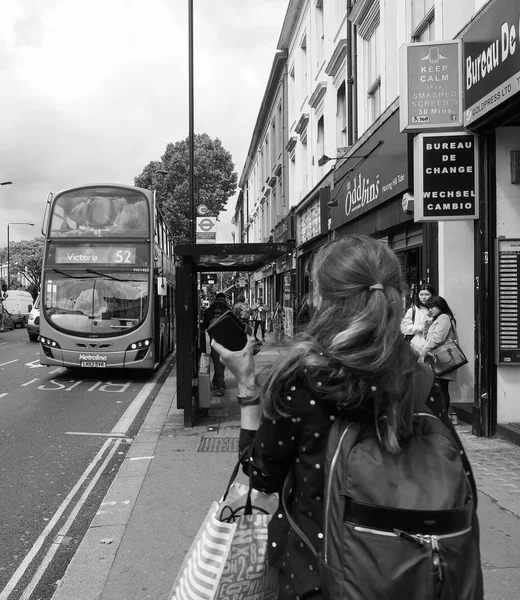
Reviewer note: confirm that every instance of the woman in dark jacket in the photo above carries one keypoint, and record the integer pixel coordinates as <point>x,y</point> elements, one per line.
<point>350,360</point>
<point>442,329</point>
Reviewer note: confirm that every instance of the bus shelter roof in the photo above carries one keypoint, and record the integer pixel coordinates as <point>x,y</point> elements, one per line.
<point>231,257</point>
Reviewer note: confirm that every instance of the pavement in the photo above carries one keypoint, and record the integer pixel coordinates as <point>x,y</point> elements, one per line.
<point>145,525</point>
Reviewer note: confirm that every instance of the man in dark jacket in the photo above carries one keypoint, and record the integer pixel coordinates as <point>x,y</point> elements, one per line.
<point>212,313</point>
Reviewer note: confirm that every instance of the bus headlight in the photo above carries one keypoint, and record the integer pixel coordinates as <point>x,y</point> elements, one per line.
<point>49,343</point>
<point>140,345</point>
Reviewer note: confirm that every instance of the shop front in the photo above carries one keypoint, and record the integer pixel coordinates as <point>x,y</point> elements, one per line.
<point>285,288</point>
<point>311,233</point>
<point>491,108</point>
<point>372,195</point>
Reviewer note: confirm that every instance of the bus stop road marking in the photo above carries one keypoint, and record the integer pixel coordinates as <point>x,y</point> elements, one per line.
<point>9,362</point>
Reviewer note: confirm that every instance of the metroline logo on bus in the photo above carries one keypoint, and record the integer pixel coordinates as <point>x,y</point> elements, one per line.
<point>445,183</point>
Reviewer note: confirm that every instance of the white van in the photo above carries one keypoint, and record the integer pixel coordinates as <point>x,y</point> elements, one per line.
<point>19,304</point>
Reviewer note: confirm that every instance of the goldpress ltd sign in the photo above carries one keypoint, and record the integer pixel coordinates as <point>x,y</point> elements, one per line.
<point>491,65</point>
<point>445,183</point>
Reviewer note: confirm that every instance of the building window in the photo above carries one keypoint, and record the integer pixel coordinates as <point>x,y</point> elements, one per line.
<point>279,131</point>
<point>292,90</point>
<point>303,57</point>
<point>267,170</point>
<point>273,143</point>
<point>303,164</point>
<point>341,9</point>
<point>341,116</point>
<point>374,100</point>
<point>320,138</point>
<point>423,20</point>
<point>370,31</point>
<point>320,33</point>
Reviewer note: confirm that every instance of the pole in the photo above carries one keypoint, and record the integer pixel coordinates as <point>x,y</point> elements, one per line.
<point>191,125</point>
<point>8,257</point>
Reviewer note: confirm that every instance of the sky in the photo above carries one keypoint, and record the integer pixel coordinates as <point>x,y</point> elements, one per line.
<point>91,92</point>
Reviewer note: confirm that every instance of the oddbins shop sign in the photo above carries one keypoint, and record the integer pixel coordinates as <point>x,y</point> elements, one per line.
<point>445,183</point>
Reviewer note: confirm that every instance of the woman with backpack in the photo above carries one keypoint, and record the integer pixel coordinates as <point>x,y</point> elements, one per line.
<point>441,330</point>
<point>352,366</point>
<point>417,318</point>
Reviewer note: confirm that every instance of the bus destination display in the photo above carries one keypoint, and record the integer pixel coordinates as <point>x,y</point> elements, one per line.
<point>96,255</point>
<point>508,281</point>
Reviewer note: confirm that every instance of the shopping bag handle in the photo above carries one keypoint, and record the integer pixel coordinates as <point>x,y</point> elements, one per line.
<point>246,455</point>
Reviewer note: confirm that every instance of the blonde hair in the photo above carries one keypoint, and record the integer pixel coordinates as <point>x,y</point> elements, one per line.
<point>353,343</point>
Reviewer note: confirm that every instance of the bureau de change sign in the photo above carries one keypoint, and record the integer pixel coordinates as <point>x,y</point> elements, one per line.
<point>445,183</point>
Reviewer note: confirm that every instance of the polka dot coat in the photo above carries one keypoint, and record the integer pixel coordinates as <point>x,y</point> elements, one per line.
<point>298,440</point>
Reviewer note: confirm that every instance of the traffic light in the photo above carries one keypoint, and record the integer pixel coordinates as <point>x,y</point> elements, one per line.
<point>208,278</point>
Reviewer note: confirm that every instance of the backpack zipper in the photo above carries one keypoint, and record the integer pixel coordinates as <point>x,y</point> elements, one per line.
<point>327,496</point>
<point>417,537</point>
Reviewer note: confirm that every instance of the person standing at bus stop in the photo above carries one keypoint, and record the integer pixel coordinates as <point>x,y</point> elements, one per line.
<point>216,310</point>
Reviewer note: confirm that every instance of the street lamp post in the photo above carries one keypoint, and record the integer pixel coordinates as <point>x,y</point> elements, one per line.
<point>191,145</point>
<point>8,225</point>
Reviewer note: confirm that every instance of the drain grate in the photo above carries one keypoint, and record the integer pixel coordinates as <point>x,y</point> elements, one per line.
<point>218,444</point>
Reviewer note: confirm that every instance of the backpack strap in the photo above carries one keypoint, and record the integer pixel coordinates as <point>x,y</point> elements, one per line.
<point>435,405</point>
<point>345,433</point>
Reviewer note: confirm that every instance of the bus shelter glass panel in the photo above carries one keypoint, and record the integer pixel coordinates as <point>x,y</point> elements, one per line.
<point>100,305</point>
<point>100,211</point>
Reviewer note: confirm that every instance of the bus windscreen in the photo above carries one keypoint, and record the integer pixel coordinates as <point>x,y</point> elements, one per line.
<point>100,211</point>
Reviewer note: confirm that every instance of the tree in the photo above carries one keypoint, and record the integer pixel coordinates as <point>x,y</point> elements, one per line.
<point>215,181</point>
<point>25,257</point>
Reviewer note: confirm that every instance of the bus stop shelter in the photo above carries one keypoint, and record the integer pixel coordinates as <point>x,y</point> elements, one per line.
<point>191,259</point>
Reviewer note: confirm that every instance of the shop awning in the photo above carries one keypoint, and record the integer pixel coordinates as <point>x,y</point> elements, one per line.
<point>231,257</point>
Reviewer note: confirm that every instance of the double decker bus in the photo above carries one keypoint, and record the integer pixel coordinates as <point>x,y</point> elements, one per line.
<point>107,295</point>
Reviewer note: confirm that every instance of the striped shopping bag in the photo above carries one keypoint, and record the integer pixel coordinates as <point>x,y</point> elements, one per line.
<point>229,553</point>
<point>202,568</point>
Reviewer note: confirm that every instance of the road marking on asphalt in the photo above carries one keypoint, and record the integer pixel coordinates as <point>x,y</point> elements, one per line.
<point>9,362</point>
<point>68,523</point>
<point>24,565</point>
<point>29,382</point>
<point>56,370</point>
<point>124,423</point>
<point>112,435</point>
<point>141,458</point>
<point>4,394</point>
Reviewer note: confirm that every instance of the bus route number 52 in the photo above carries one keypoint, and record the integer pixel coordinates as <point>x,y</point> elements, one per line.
<point>123,256</point>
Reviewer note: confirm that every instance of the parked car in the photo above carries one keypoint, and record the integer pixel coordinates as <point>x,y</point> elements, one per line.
<point>33,323</point>
<point>19,303</point>
<point>6,323</point>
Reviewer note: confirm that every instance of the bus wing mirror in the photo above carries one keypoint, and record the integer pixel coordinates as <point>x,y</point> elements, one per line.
<point>161,286</point>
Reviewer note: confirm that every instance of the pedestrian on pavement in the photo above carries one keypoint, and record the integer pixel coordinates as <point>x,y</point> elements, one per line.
<point>211,314</point>
<point>352,360</point>
<point>259,318</point>
<point>417,318</point>
<point>241,309</point>
<point>278,329</point>
<point>442,329</point>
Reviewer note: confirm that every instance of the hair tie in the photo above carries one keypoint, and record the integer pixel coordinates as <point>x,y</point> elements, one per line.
<point>376,286</point>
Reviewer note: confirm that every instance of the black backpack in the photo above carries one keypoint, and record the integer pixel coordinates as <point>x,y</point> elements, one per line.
<point>399,526</point>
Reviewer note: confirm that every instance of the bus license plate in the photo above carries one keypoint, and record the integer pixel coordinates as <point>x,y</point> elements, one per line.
<point>92,363</point>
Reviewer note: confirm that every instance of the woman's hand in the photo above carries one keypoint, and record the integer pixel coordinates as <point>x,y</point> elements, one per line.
<point>241,363</point>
